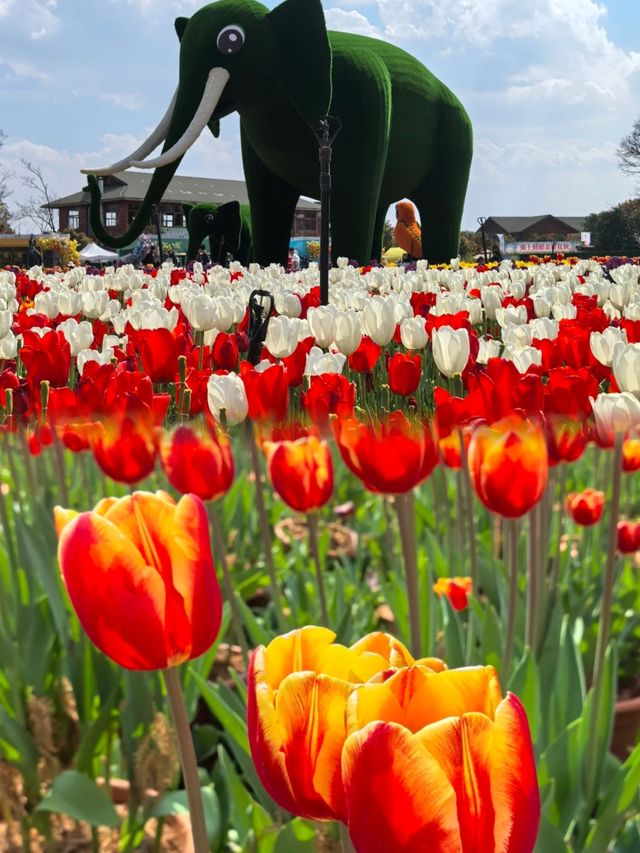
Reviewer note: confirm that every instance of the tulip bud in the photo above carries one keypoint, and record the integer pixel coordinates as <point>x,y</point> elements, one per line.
<point>282,336</point>
<point>319,362</point>
<point>226,391</point>
<point>450,350</point>
<point>488,349</point>
<point>322,324</point>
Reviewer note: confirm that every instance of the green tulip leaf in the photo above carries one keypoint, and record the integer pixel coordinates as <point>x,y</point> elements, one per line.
<point>77,796</point>
<point>176,803</point>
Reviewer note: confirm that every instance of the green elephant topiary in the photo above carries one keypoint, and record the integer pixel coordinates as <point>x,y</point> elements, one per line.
<point>404,134</point>
<point>228,227</point>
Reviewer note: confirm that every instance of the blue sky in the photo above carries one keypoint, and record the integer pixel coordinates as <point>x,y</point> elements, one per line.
<point>551,87</point>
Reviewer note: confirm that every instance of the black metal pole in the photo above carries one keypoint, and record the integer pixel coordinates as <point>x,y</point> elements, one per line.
<point>325,137</point>
<point>482,220</point>
<point>157,213</point>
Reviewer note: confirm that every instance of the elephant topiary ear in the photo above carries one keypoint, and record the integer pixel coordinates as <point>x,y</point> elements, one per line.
<point>229,224</point>
<point>181,26</point>
<point>303,55</point>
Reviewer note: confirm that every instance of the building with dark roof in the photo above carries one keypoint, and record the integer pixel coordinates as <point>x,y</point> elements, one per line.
<point>123,194</point>
<point>527,227</point>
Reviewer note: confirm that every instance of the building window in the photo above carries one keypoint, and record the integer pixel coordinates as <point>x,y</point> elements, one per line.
<point>74,219</point>
<point>110,218</point>
<point>167,220</point>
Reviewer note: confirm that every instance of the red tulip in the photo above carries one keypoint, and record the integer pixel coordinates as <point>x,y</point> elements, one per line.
<point>301,471</point>
<point>457,591</point>
<point>140,576</point>
<point>508,465</point>
<point>585,507</point>
<point>329,394</point>
<point>404,373</point>
<point>124,446</point>
<point>364,358</point>
<point>267,392</point>
<point>391,456</point>
<point>46,358</point>
<point>225,352</point>
<point>199,462</point>
<point>159,353</point>
<point>628,537</point>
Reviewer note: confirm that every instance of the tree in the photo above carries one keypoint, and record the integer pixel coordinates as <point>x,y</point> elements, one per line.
<point>387,236</point>
<point>5,216</point>
<point>629,151</point>
<point>32,209</point>
<point>616,231</point>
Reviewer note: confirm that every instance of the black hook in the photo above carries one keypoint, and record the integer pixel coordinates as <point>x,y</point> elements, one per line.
<point>258,323</point>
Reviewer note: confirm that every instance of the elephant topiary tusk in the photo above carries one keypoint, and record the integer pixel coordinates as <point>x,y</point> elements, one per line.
<point>159,135</point>
<point>216,81</point>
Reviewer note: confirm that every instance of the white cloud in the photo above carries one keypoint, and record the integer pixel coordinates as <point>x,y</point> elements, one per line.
<point>123,99</point>
<point>576,59</point>
<point>35,18</point>
<point>27,70</point>
<point>350,22</point>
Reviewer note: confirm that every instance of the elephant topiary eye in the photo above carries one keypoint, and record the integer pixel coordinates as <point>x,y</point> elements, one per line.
<point>230,39</point>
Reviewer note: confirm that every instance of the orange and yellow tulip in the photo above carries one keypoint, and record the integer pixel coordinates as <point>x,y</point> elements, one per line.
<point>508,464</point>
<point>298,689</point>
<point>301,471</point>
<point>439,761</point>
<point>140,576</point>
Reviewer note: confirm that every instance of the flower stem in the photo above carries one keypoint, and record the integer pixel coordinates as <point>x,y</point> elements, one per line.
<point>405,510</point>
<point>221,552</point>
<point>511,531</point>
<point>187,758</point>
<point>604,627</point>
<point>312,521</point>
<point>473,551</point>
<point>265,530</point>
<point>533,581</point>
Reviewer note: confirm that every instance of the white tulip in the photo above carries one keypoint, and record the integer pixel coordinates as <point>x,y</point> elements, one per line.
<point>70,303</point>
<point>288,303</point>
<point>512,315</point>
<point>450,350</point>
<point>6,321</point>
<point>200,311</point>
<point>492,301</point>
<point>378,320</point>
<point>564,311</point>
<point>348,331</point>
<point>413,333</point>
<point>517,336</point>
<point>8,346</point>
<point>615,413</point>
<point>604,343</point>
<point>489,348</point>
<point>226,391</point>
<point>611,312</point>
<point>282,336</point>
<point>319,362</point>
<point>626,367</point>
<point>632,312</point>
<point>541,306</point>
<point>78,335</point>
<point>86,355</point>
<point>322,324</point>
<point>94,303</point>
<point>543,328</point>
<point>523,358</point>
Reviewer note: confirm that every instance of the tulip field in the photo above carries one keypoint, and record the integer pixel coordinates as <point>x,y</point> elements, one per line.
<point>283,577</point>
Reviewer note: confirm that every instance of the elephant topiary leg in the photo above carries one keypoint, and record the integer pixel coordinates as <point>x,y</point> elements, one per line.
<point>273,202</point>
<point>378,234</point>
<point>440,197</point>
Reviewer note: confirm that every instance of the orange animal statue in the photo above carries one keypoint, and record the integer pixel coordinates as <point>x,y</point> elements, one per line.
<point>407,233</point>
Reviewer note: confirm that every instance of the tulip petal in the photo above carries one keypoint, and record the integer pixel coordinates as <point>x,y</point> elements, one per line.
<point>462,746</point>
<point>62,517</point>
<point>297,651</point>
<point>120,600</point>
<point>311,717</point>
<point>514,782</point>
<point>398,797</point>
<point>453,693</point>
